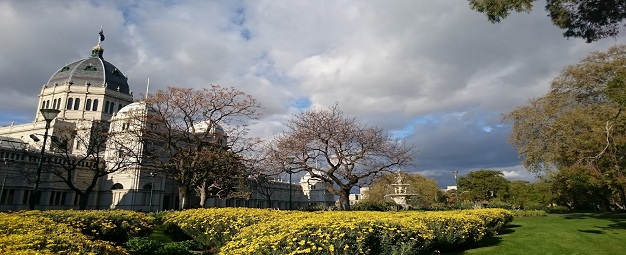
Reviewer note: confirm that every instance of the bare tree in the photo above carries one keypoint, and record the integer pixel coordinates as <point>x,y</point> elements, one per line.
<point>78,158</point>
<point>263,175</point>
<point>220,173</point>
<point>338,150</point>
<point>183,124</point>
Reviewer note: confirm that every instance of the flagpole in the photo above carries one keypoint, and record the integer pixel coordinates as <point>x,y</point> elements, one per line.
<point>100,36</point>
<point>148,88</point>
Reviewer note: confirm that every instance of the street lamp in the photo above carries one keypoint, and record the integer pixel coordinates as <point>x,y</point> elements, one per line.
<point>456,182</point>
<point>291,162</point>
<point>151,188</point>
<point>48,116</point>
<point>290,202</point>
<point>6,172</point>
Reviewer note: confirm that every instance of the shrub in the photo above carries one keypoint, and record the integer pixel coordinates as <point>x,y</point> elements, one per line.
<point>174,232</point>
<point>176,248</point>
<point>534,206</point>
<point>366,205</point>
<point>494,219</point>
<point>452,227</point>
<point>557,209</point>
<point>108,225</point>
<point>213,227</point>
<point>499,204</point>
<point>28,234</point>
<point>143,246</point>
<point>529,213</point>
<point>332,233</point>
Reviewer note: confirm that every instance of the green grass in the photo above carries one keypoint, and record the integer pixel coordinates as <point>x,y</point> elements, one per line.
<point>558,234</point>
<point>158,235</point>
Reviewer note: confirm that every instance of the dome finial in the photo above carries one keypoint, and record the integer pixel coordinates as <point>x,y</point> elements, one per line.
<point>101,36</point>
<point>96,52</point>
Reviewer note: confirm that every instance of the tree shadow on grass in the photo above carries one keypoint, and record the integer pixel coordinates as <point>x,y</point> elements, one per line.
<point>485,242</point>
<point>591,231</point>
<point>618,219</point>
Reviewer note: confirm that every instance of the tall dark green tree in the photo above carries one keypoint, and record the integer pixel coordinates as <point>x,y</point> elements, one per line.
<point>588,19</point>
<point>579,124</point>
<point>483,185</point>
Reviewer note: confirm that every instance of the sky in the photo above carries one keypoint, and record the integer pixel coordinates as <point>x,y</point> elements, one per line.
<point>435,74</point>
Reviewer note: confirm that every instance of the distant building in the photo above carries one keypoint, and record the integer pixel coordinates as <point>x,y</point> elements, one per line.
<point>93,90</point>
<point>355,198</point>
<point>449,188</point>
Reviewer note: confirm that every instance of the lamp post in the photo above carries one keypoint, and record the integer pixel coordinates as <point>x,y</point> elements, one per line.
<point>151,189</point>
<point>291,160</point>
<point>6,172</point>
<point>456,182</point>
<point>290,189</point>
<point>48,115</point>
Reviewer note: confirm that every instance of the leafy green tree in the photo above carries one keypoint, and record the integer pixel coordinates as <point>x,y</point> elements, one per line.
<point>426,189</point>
<point>483,185</point>
<point>579,123</point>
<point>588,19</point>
<point>578,188</point>
<point>524,194</point>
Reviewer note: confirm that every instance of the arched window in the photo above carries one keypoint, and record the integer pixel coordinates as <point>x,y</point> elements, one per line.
<point>95,105</point>
<point>112,107</point>
<point>54,103</point>
<point>119,107</point>
<point>88,105</point>
<point>69,103</point>
<point>47,104</point>
<point>106,106</point>
<point>76,103</point>
<point>117,186</point>
<point>58,104</point>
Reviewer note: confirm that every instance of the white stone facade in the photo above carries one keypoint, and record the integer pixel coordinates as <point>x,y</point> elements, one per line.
<point>93,90</point>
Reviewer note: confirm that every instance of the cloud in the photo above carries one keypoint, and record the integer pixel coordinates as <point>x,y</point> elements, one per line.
<point>435,73</point>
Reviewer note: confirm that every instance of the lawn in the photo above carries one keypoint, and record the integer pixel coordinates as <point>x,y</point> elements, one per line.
<point>558,234</point>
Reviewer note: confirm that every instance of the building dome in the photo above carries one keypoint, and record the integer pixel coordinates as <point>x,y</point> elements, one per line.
<point>208,126</point>
<point>92,71</point>
<point>133,109</point>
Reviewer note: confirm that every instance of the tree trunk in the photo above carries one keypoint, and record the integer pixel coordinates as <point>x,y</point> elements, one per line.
<point>344,200</point>
<point>83,199</point>
<point>269,201</point>
<point>203,194</point>
<point>184,197</point>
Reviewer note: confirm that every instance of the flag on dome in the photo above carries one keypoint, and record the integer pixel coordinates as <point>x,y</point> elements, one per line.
<point>101,35</point>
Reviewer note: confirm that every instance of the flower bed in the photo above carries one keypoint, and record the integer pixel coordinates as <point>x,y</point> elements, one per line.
<point>117,226</point>
<point>262,231</point>
<point>27,234</point>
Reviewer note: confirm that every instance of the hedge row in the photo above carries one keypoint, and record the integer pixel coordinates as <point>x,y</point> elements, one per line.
<point>261,231</point>
<point>117,226</point>
<point>28,234</point>
<point>71,232</point>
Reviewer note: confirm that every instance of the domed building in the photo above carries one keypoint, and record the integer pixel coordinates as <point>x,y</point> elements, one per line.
<point>90,88</point>
<point>96,114</point>
<point>87,93</point>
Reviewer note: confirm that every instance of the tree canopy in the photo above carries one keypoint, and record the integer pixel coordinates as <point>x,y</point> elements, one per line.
<point>426,189</point>
<point>579,124</point>
<point>338,150</point>
<point>80,159</point>
<point>193,136</point>
<point>483,185</point>
<point>588,19</point>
